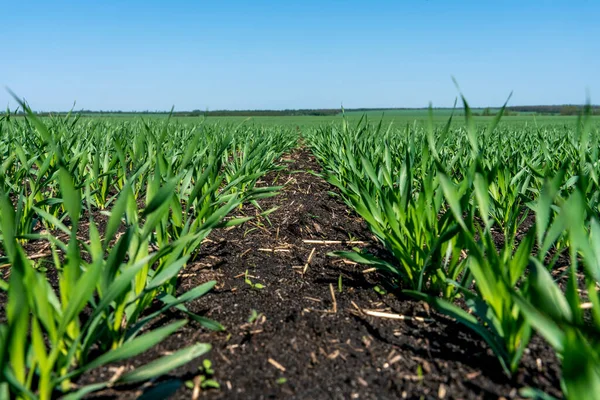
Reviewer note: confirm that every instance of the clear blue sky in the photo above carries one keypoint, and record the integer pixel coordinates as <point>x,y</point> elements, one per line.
<point>150,55</point>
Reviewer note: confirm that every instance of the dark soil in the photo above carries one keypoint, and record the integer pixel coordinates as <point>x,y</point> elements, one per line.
<point>308,340</point>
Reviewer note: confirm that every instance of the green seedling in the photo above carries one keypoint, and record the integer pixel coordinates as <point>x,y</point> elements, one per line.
<point>254,316</point>
<point>380,290</point>
<point>206,376</point>
<point>255,286</point>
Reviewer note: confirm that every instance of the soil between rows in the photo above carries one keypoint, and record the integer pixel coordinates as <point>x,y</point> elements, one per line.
<point>306,342</point>
<point>304,346</point>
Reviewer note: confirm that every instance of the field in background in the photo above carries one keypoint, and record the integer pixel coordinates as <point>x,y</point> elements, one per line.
<point>113,228</point>
<point>397,117</point>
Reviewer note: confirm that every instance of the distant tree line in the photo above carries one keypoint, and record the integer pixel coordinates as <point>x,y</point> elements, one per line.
<point>198,113</point>
<point>565,109</point>
<point>259,113</point>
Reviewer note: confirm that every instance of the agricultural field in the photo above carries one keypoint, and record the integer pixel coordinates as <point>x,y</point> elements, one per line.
<point>399,118</point>
<point>409,256</point>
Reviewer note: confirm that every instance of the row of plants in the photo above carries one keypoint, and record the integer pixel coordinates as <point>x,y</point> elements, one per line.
<point>122,208</point>
<point>479,220</point>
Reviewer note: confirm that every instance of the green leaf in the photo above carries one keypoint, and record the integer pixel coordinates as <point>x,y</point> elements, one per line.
<point>592,253</point>
<point>543,208</point>
<point>211,384</point>
<point>80,297</point>
<point>85,390</point>
<point>520,259</point>
<point>234,222</point>
<point>71,196</point>
<point>541,323</point>
<point>136,346</point>
<point>17,384</point>
<point>162,197</point>
<point>453,199</point>
<point>53,220</point>
<point>8,226</point>
<point>532,393</point>
<point>39,346</point>
<point>580,369</point>
<point>193,294</point>
<point>116,214</point>
<point>203,321</point>
<point>165,364</point>
<point>546,295</point>
<point>368,166</point>
<point>167,273</point>
<point>483,198</point>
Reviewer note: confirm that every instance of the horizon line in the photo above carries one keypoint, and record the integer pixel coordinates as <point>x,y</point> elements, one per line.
<point>339,109</point>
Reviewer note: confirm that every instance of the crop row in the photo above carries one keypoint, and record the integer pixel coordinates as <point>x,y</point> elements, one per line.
<point>120,209</point>
<point>483,223</point>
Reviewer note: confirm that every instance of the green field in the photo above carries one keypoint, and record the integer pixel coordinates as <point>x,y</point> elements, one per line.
<point>300,200</point>
<point>492,223</point>
<point>395,117</point>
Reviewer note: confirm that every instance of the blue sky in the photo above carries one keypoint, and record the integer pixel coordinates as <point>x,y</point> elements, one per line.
<point>150,55</point>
